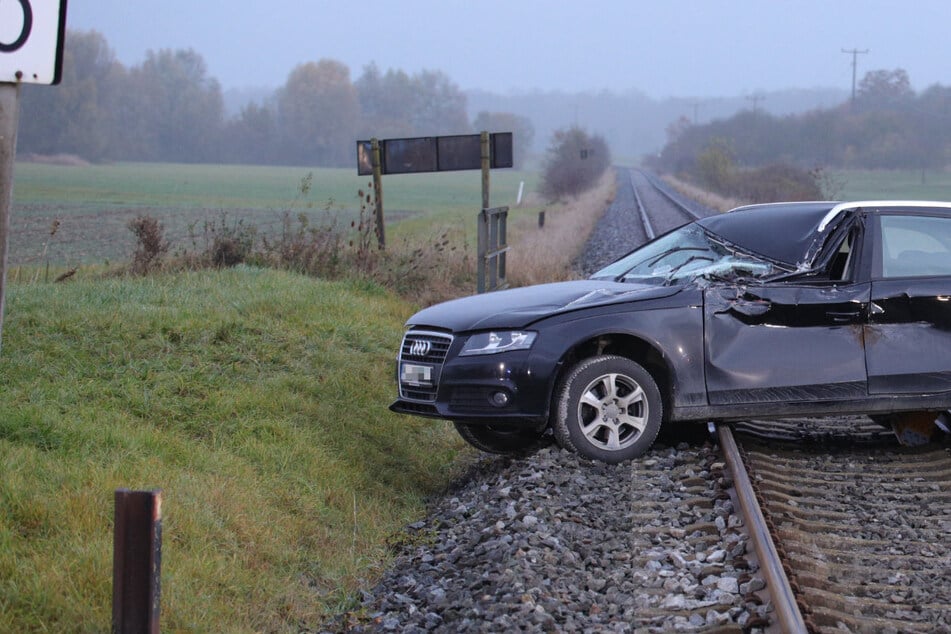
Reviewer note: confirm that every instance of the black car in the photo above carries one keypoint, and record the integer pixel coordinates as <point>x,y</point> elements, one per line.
<point>813,309</point>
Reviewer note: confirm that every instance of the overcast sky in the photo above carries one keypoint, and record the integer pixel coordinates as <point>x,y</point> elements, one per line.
<point>685,48</point>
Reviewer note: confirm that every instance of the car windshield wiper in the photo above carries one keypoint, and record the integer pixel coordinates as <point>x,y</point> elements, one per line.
<point>672,250</point>
<point>692,258</point>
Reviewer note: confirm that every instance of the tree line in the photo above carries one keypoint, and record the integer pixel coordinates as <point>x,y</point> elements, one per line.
<point>887,125</point>
<point>168,108</point>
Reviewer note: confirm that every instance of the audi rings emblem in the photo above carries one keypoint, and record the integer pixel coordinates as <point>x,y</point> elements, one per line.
<point>420,348</point>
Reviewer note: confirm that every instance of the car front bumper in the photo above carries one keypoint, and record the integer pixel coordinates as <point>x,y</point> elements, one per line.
<point>509,387</point>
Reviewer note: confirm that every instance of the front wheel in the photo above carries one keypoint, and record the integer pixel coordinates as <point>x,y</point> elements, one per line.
<point>608,409</point>
<point>502,439</point>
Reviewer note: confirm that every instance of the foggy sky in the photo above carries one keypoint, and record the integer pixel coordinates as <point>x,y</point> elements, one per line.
<point>663,48</point>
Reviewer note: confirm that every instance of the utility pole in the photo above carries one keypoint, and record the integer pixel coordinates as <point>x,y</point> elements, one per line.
<point>696,107</point>
<point>755,99</point>
<point>855,54</point>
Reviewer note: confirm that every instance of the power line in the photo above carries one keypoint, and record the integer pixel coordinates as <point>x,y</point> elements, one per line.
<point>855,54</point>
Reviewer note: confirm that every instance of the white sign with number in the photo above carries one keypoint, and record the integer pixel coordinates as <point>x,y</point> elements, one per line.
<point>31,40</point>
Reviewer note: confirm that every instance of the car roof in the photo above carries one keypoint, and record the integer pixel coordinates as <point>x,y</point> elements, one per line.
<point>882,204</point>
<point>791,232</point>
<point>783,232</point>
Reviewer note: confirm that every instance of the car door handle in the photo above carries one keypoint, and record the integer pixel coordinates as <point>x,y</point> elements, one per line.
<point>844,316</point>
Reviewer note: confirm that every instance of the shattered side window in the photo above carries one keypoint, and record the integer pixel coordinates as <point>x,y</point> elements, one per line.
<point>843,262</point>
<point>915,246</point>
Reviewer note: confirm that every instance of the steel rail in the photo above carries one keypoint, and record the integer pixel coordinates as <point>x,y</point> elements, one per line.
<point>648,227</point>
<point>669,196</point>
<point>784,601</point>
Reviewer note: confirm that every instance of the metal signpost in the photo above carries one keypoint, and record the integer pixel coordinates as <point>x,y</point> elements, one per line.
<point>32,33</point>
<point>443,154</point>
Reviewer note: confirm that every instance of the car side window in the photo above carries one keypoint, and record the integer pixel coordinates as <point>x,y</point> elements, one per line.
<point>915,246</point>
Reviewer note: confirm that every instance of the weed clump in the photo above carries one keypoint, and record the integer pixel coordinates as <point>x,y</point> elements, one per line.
<point>437,270</point>
<point>150,246</point>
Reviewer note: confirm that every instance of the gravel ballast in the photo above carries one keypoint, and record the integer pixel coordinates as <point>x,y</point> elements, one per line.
<point>555,542</point>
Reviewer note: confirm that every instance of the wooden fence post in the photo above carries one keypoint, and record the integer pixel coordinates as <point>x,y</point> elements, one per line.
<point>378,192</point>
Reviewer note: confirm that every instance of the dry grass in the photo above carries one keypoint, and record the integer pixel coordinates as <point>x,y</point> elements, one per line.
<point>545,254</point>
<point>714,201</point>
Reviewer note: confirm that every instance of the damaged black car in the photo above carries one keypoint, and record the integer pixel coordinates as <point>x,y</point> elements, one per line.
<point>805,309</point>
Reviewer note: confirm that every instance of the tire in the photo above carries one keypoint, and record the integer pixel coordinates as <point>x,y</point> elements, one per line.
<point>608,408</point>
<point>501,439</point>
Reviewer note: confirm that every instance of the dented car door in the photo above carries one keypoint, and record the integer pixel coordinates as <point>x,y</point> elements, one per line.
<point>786,342</point>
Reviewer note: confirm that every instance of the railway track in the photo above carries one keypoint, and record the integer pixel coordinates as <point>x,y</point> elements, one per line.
<point>644,207</point>
<point>849,528</point>
<point>858,531</point>
<point>661,209</point>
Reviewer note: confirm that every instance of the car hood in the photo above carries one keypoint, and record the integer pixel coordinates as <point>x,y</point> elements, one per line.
<point>519,307</point>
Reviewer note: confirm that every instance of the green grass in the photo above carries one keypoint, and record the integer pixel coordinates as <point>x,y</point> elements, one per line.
<point>892,184</point>
<point>256,400</point>
<point>94,203</point>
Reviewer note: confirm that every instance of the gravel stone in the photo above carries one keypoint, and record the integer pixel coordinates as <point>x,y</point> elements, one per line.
<point>582,554</point>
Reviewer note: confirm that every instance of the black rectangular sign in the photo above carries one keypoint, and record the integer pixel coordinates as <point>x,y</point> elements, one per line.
<point>435,154</point>
<point>407,156</point>
<point>462,152</point>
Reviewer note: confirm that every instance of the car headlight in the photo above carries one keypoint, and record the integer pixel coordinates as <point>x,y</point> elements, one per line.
<point>493,342</point>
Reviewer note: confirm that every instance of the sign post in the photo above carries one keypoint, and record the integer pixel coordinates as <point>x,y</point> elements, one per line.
<point>378,193</point>
<point>32,33</point>
<point>483,151</point>
<point>9,116</point>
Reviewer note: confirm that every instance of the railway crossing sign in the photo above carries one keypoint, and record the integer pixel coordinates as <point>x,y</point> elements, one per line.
<point>31,41</point>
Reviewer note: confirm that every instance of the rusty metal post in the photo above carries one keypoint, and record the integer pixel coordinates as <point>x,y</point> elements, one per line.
<point>483,247</point>
<point>137,562</point>
<point>9,116</point>
<point>378,191</point>
<point>486,164</point>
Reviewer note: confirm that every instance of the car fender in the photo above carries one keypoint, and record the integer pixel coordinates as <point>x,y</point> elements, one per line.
<point>674,330</point>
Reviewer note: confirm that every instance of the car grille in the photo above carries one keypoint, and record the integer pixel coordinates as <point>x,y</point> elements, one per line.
<point>423,346</point>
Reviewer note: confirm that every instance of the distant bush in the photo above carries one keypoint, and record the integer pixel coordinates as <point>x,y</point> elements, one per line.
<point>777,183</point>
<point>574,163</point>
<point>715,169</point>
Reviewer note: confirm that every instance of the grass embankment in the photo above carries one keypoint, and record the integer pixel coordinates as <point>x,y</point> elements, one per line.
<point>255,399</point>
